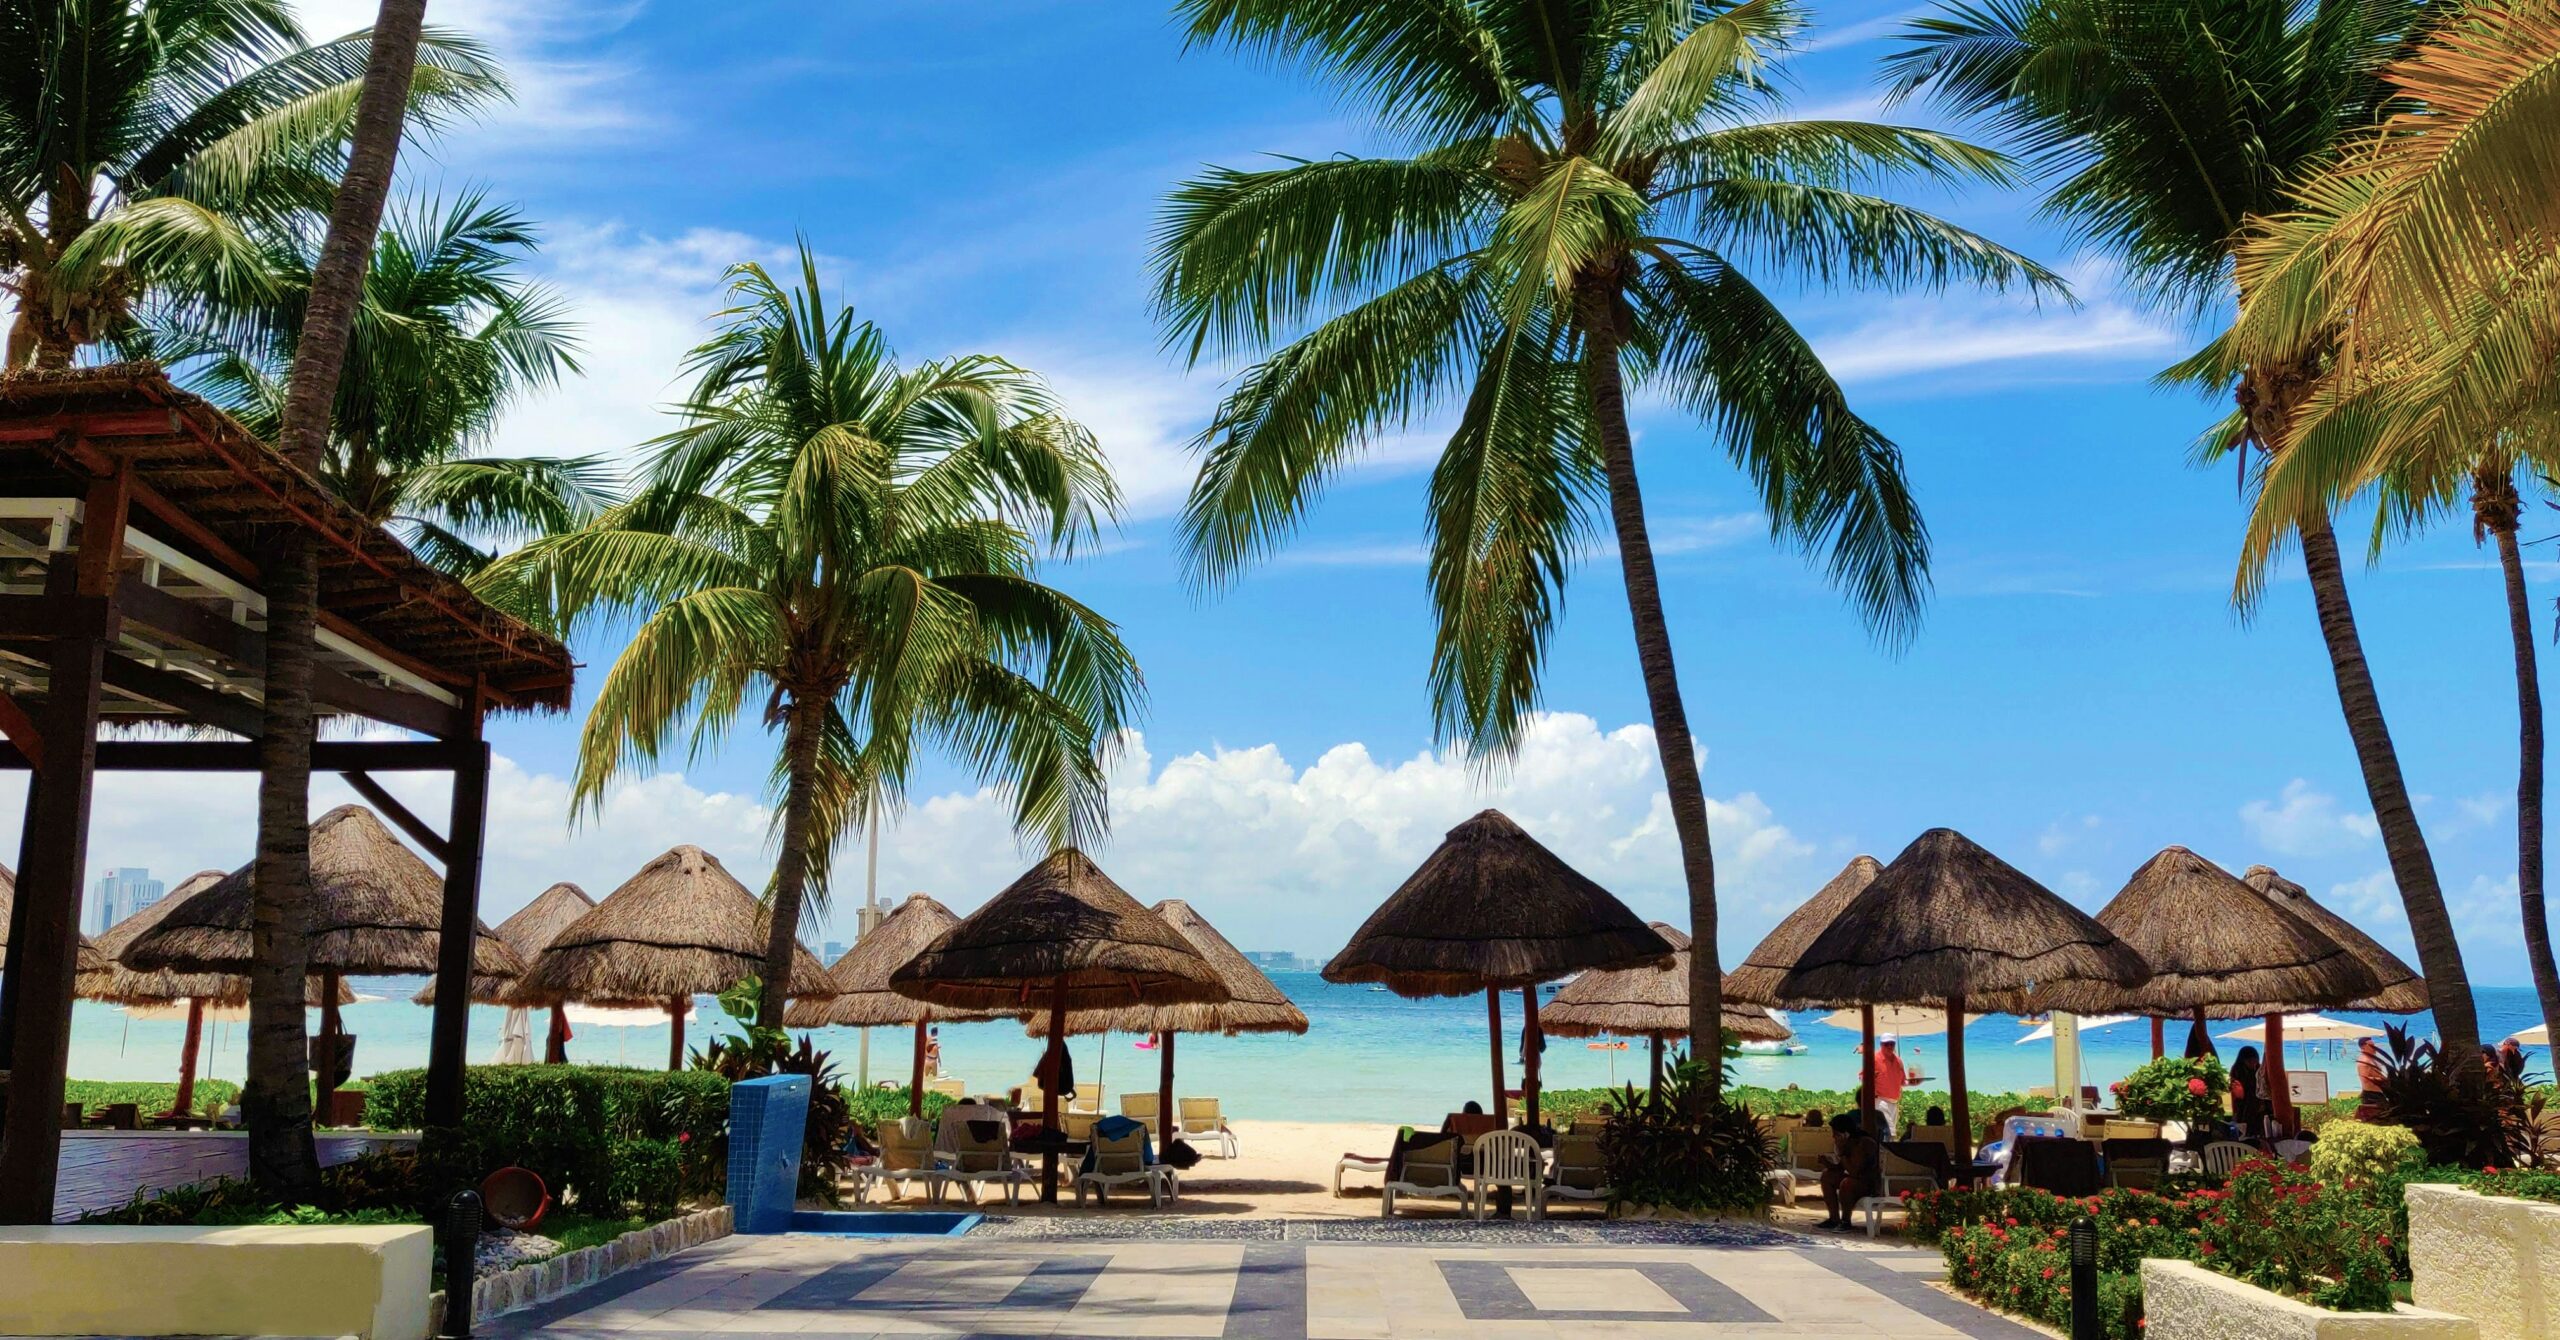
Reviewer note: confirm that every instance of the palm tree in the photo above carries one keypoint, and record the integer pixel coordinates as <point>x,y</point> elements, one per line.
<point>1588,195</point>
<point>2168,128</point>
<point>854,543</point>
<point>185,126</point>
<point>448,335</point>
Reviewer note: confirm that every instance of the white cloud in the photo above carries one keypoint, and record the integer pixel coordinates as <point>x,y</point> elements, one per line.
<point>559,98</point>
<point>2305,822</point>
<point>2062,834</point>
<point>1672,536</point>
<point>1869,30</point>
<point>2371,903</point>
<point>1905,336</point>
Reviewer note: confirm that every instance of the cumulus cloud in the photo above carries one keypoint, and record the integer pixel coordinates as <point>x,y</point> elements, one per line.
<point>564,97</point>
<point>2306,822</point>
<point>2062,834</point>
<point>1908,336</point>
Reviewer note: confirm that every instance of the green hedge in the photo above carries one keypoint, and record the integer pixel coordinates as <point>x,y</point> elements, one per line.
<point>575,1126</point>
<point>870,1107</point>
<point>152,1096</point>
<point>1561,1106</point>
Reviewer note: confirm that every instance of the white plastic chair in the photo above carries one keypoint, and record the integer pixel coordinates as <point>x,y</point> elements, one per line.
<point>1121,1162</point>
<point>2222,1156</point>
<point>1429,1170</point>
<point>906,1155</point>
<point>968,1161</point>
<point>1898,1175</point>
<point>1202,1120</point>
<point>1509,1159</point>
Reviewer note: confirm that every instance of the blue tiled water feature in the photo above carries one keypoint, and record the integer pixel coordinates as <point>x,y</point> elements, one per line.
<point>766,1120</point>
<point>883,1223</point>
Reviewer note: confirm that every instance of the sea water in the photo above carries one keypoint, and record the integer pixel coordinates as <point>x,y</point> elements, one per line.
<point>1367,1055</point>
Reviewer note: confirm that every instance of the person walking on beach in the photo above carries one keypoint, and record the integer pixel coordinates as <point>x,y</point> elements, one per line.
<point>1891,1078</point>
<point>933,1054</point>
<point>2368,1080</point>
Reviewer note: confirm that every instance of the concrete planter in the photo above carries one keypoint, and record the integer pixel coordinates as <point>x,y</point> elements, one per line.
<point>542,1281</point>
<point>2184,1301</point>
<point>2495,1258</point>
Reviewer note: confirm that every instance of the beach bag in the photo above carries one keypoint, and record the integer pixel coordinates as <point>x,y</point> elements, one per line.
<point>1181,1155</point>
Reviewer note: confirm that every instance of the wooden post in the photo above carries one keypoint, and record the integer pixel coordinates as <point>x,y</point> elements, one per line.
<point>45,937</point>
<point>324,1089</point>
<point>915,1075</point>
<point>1493,1020</point>
<point>184,1104</point>
<point>2271,1077</point>
<point>1866,1063</point>
<point>1962,1116</point>
<point>1164,1092</point>
<point>1050,1127</point>
<point>1654,1084</point>
<point>555,1049</point>
<point>457,929</point>
<point>16,949</point>
<point>1531,1041</point>
<point>2159,1037</point>
<point>2199,1025</point>
<point>677,1009</point>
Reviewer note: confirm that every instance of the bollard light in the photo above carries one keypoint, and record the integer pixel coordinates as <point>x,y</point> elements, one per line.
<point>461,1256</point>
<point>2084,1280</point>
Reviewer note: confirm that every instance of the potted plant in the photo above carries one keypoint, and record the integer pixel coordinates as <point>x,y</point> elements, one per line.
<point>2175,1088</point>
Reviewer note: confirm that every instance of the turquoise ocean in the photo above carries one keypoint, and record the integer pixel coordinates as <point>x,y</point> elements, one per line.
<point>1367,1056</point>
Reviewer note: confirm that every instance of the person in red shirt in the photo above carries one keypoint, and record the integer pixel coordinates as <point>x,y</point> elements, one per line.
<point>1891,1077</point>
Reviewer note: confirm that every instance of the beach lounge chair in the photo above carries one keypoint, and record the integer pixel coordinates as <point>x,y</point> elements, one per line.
<point>2222,1156</point>
<point>980,1151</point>
<point>1121,1161</point>
<point>1509,1159</point>
<point>1427,1167</point>
<point>1201,1120</point>
<point>1085,1098</point>
<point>1806,1146</point>
<point>2135,1162</point>
<point>1078,1125</point>
<point>1143,1109</point>
<point>1578,1173</point>
<point>906,1155</point>
<point>1899,1174</point>
<point>948,1088</point>
<point>1468,1126</point>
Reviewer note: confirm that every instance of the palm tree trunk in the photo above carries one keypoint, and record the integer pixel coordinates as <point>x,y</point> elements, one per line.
<point>2413,868</point>
<point>802,732</point>
<point>2500,512</point>
<point>276,1101</point>
<point>1687,792</point>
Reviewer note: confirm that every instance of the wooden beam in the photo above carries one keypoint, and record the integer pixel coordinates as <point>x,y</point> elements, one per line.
<point>120,423</point>
<point>455,938</point>
<point>398,813</point>
<point>242,756</point>
<point>21,731</point>
<point>381,702</point>
<point>30,618</point>
<point>102,518</point>
<point>198,626</point>
<point>199,704</point>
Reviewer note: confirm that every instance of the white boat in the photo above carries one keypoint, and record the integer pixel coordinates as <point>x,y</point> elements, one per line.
<point>1760,1047</point>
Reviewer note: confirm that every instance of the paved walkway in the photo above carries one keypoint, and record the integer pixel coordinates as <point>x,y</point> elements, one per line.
<point>100,1170</point>
<point>990,1289</point>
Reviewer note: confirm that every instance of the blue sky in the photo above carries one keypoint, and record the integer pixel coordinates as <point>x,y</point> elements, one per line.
<point>984,178</point>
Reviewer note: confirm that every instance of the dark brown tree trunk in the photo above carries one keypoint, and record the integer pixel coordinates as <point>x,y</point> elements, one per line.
<point>2499,512</point>
<point>677,1009</point>
<point>915,1074</point>
<point>276,1102</point>
<point>803,732</point>
<point>1532,1041</point>
<point>184,1105</point>
<point>1493,1024</point>
<point>1165,1122</point>
<point>1686,790</point>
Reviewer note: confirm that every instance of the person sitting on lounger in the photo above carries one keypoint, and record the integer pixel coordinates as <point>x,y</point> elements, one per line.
<point>1850,1175</point>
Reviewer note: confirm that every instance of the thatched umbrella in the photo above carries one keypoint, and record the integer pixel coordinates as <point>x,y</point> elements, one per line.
<point>89,959</point>
<point>2397,987</point>
<point>681,927</point>
<point>1756,981</point>
<point>376,909</point>
<point>861,977</point>
<point>1649,1003</point>
<point>115,983</point>
<point>528,932</point>
<point>1947,920</point>
<point>1492,909</point>
<point>1065,936</point>
<point>1255,1004</point>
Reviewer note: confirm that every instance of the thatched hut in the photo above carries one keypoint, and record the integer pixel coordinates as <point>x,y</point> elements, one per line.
<point>861,977</point>
<point>1947,920</point>
<point>1067,937</point>
<point>680,927</point>
<point>1648,1003</point>
<point>529,931</point>
<point>1755,980</point>
<point>1489,910</point>
<point>376,909</point>
<point>2398,989</point>
<point>1254,1004</point>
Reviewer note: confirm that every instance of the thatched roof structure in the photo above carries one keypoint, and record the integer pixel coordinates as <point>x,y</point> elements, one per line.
<point>1064,919</point>
<point>2398,989</point>
<point>117,984</point>
<point>863,998</point>
<point>375,909</point>
<point>90,960</point>
<point>1255,1004</point>
<point>1755,981</point>
<point>681,927</point>
<point>1948,918</point>
<point>1645,1002</point>
<point>1492,908</point>
<point>528,932</point>
<point>2214,944</point>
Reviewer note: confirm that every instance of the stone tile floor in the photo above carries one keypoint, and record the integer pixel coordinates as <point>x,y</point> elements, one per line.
<point>1438,1287</point>
<point>100,1170</point>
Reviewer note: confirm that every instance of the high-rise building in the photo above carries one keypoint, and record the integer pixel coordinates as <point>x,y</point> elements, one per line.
<point>831,951</point>
<point>120,894</point>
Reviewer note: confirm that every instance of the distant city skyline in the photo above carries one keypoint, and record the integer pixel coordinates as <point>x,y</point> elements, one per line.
<point>118,894</point>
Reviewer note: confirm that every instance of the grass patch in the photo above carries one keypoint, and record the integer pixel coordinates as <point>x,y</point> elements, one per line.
<point>577,1232</point>
<point>151,1096</point>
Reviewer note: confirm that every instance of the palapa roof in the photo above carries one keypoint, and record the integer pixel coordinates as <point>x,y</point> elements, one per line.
<point>1755,980</point>
<point>681,927</point>
<point>2398,987</point>
<point>1645,1002</point>
<point>1948,918</point>
<point>376,908</point>
<point>1255,1004</point>
<point>528,932</point>
<point>112,981</point>
<point>90,960</point>
<point>1492,908</point>
<point>2214,944</point>
<point>861,976</point>
<point>1064,919</point>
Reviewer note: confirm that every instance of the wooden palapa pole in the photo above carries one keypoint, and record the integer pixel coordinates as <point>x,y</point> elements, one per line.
<point>1532,1041</point>
<point>555,1049</point>
<point>1654,1085</point>
<point>677,1009</point>
<point>1164,1090</point>
<point>915,1076</point>
<point>1493,1020</point>
<point>2159,1037</point>
<point>1866,1063</point>
<point>1963,1113</point>
<point>185,1103</point>
<point>1049,1127</point>
<point>2271,1077</point>
<point>325,1089</point>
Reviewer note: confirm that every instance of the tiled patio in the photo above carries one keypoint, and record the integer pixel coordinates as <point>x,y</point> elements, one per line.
<point>996,1290</point>
<point>102,1169</point>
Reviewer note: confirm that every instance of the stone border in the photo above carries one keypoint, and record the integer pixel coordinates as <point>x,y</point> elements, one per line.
<point>542,1281</point>
<point>2184,1301</point>
<point>2496,1259</point>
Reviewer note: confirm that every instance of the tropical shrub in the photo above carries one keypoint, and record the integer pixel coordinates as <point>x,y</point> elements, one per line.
<point>2463,1112</point>
<point>2280,1230</point>
<point>648,1176</point>
<point>1794,1101</point>
<point>1676,1148</point>
<point>383,1187</point>
<point>150,1096</point>
<point>868,1108</point>
<point>755,1052</point>
<point>563,1123</point>
<point>2359,1151</point>
<point>2027,1270</point>
<point>2174,1088</point>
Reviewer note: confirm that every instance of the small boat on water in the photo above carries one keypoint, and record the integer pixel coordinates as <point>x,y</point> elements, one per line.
<point>1760,1047</point>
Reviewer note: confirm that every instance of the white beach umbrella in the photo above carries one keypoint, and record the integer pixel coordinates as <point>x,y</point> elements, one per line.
<point>2306,1028</point>
<point>2044,1031</point>
<point>1902,1020</point>
<point>515,1038</point>
<point>2537,1036</point>
<point>607,1016</point>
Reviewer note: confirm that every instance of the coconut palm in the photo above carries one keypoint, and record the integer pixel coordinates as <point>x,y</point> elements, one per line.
<point>449,334</point>
<point>182,126</point>
<point>853,544</point>
<point>1591,203</point>
<point>2167,129</point>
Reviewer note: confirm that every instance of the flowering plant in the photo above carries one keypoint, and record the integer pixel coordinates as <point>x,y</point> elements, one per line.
<point>2175,1088</point>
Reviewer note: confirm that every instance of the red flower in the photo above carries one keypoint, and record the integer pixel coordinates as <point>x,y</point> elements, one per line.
<point>2048,1272</point>
<point>684,1137</point>
<point>2195,1086</point>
